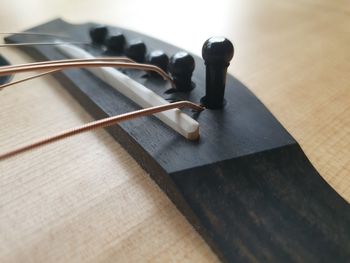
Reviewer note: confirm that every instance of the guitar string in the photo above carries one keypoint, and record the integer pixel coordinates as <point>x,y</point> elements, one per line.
<point>44,44</point>
<point>69,62</point>
<point>121,59</point>
<point>40,43</point>
<point>103,123</point>
<point>34,34</point>
<point>27,78</point>
<point>57,65</point>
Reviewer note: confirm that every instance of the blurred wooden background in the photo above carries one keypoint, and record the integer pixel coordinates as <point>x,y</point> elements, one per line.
<point>87,200</point>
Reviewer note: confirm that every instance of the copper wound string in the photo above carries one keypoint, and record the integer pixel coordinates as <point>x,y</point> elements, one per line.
<point>116,59</point>
<point>28,78</point>
<point>101,124</point>
<point>58,65</point>
<point>121,59</point>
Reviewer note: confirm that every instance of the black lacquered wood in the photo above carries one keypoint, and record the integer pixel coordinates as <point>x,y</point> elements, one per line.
<point>246,185</point>
<point>98,33</point>
<point>136,50</point>
<point>159,59</point>
<point>217,53</point>
<point>181,67</point>
<point>116,42</point>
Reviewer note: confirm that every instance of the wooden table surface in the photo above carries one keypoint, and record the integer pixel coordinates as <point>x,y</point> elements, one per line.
<point>86,200</point>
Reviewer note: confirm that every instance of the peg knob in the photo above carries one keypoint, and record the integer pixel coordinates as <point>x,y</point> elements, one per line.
<point>116,42</point>
<point>217,53</point>
<point>181,67</point>
<point>158,58</point>
<point>136,51</point>
<point>98,34</point>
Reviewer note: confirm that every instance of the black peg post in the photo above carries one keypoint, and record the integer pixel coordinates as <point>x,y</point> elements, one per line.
<point>217,53</point>
<point>136,50</point>
<point>159,59</point>
<point>116,42</point>
<point>181,67</point>
<point>98,34</point>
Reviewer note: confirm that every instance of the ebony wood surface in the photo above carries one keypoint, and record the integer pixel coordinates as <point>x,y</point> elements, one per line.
<point>245,185</point>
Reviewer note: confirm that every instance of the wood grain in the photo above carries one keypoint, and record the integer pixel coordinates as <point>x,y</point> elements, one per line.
<point>85,199</point>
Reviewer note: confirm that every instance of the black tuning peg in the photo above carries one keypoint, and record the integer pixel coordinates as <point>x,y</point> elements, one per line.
<point>98,34</point>
<point>116,42</point>
<point>159,59</point>
<point>181,67</point>
<point>217,53</point>
<point>136,50</point>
